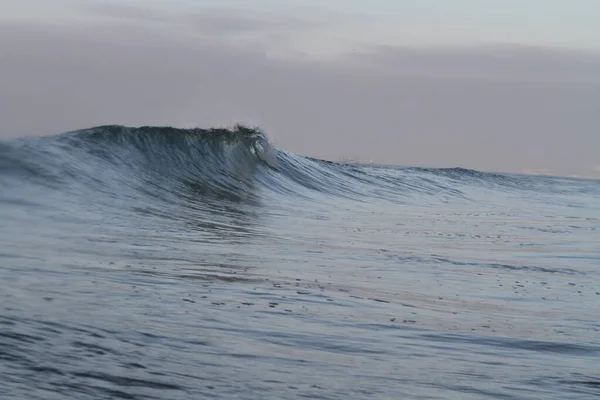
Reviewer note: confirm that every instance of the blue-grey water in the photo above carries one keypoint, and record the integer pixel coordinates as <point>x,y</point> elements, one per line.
<point>156,263</point>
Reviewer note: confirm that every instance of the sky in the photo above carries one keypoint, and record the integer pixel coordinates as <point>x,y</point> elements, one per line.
<point>499,85</point>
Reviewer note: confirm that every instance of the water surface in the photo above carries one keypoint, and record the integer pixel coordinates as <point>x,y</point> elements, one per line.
<point>153,263</point>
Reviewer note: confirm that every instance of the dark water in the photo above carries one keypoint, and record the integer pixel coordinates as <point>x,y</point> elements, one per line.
<point>157,263</point>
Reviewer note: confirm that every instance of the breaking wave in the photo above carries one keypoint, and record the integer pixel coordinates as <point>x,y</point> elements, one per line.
<point>225,164</point>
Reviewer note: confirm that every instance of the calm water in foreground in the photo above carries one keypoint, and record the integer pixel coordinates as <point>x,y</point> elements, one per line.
<point>155,263</point>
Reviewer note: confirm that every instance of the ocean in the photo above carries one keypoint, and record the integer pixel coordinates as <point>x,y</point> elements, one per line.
<point>162,263</point>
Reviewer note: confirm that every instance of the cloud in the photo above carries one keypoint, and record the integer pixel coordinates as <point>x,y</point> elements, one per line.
<point>280,34</point>
<point>59,79</point>
<point>207,20</point>
<point>127,12</point>
<point>280,31</point>
<point>218,21</point>
<point>501,62</point>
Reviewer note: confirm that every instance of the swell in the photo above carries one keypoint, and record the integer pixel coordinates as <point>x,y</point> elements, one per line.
<point>170,164</point>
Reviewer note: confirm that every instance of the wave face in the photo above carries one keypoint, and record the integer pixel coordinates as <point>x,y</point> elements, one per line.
<point>154,160</point>
<point>155,262</point>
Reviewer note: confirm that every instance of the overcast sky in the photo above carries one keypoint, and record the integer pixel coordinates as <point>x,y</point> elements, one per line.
<point>504,85</point>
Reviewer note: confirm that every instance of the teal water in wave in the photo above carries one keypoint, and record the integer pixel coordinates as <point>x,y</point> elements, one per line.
<point>157,263</point>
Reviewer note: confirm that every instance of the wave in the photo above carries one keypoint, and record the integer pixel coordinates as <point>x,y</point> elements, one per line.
<point>155,161</point>
<point>218,164</point>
